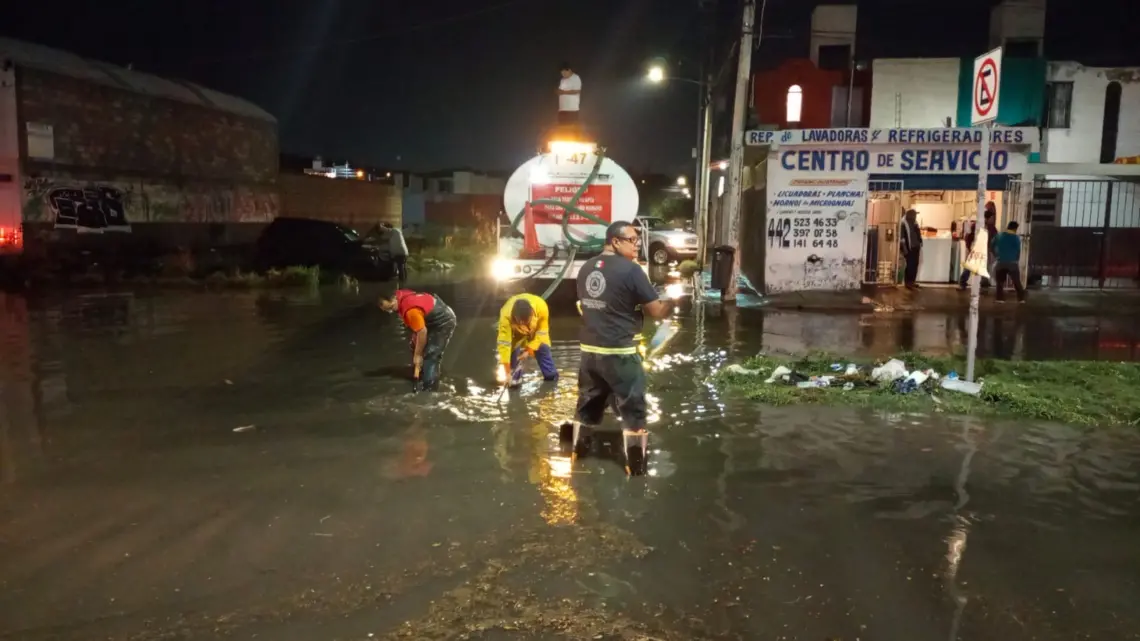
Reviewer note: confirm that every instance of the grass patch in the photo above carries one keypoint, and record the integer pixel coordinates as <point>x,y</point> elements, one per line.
<point>1070,392</point>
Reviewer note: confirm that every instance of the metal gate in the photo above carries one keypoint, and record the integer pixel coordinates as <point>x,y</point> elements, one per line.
<point>884,213</point>
<point>1016,207</point>
<point>1085,233</point>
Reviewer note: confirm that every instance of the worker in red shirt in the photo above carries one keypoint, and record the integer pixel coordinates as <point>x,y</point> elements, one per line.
<point>431,323</point>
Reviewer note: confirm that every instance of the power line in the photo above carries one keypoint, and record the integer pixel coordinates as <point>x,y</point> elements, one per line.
<point>346,42</point>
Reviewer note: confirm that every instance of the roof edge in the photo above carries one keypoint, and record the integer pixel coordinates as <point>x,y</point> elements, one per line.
<point>71,65</point>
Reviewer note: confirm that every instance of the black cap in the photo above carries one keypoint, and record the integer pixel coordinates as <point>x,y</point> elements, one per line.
<point>565,66</point>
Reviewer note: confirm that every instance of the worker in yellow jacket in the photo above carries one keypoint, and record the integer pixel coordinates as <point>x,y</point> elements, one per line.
<point>524,330</point>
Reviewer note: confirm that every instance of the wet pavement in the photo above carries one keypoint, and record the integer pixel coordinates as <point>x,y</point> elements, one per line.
<point>239,466</point>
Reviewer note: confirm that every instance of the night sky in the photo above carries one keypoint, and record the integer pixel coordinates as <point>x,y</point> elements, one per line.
<point>432,84</point>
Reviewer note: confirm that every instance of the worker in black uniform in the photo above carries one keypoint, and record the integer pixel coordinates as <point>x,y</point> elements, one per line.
<point>615,294</point>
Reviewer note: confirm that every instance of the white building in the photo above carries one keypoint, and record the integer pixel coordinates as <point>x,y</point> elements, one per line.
<point>462,182</point>
<point>1089,118</point>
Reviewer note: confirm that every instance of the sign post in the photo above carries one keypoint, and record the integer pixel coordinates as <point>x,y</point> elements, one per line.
<point>987,81</point>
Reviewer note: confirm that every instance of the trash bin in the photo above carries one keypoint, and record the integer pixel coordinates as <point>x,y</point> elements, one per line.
<point>721,275</point>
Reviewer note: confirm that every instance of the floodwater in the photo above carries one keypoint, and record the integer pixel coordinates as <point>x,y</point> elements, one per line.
<point>238,466</point>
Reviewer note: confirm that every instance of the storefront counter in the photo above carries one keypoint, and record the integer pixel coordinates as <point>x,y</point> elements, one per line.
<point>937,258</point>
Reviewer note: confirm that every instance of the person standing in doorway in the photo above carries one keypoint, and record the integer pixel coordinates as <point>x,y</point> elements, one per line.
<point>991,235</point>
<point>910,245</point>
<point>569,96</point>
<point>399,251</point>
<point>1007,247</point>
<point>992,232</point>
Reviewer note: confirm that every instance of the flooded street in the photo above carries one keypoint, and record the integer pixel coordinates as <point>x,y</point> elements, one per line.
<point>199,466</point>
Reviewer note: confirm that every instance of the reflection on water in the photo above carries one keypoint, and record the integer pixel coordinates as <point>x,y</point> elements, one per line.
<point>125,492</point>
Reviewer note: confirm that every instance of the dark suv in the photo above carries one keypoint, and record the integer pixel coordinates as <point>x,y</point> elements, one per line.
<point>304,242</point>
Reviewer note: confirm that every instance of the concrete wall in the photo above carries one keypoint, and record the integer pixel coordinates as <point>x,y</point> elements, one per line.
<point>1081,141</point>
<point>356,203</point>
<point>1018,20</point>
<point>468,182</point>
<point>926,90</point>
<point>770,95</point>
<point>413,208</point>
<point>103,158</point>
<point>832,25</point>
<point>475,214</point>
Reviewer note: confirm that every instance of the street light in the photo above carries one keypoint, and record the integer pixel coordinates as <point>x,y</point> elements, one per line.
<point>656,75</point>
<point>681,182</point>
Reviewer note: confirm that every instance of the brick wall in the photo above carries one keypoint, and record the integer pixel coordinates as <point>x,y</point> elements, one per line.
<point>161,168</point>
<point>115,130</point>
<point>356,203</point>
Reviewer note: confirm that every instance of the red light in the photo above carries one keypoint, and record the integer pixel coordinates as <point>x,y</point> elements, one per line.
<point>10,236</point>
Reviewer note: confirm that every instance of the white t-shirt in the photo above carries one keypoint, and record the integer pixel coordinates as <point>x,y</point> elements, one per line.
<point>570,102</point>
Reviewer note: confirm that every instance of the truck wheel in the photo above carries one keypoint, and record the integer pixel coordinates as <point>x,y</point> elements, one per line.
<point>659,254</point>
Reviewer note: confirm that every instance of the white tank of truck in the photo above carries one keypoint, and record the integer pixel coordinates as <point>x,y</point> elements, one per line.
<point>537,247</point>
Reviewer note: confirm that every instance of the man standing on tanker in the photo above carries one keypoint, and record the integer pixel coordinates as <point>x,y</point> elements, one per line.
<point>615,294</point>
<point>431,323</point>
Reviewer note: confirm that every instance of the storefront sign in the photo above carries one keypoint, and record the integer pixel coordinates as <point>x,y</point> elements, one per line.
<point>611,196</point>
<point>907,160</point>
<point>596,200</point>
<point>1000,136</point>
<point>816,228</point>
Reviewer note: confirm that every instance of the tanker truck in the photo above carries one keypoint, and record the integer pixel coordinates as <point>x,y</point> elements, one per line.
<point>558,205</point>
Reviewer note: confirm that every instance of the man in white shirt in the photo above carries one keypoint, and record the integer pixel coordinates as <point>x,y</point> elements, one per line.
<point>569,95</point>
<point>398,249</point>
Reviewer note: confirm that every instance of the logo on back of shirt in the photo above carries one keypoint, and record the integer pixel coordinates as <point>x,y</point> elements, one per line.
<point>595,284</point>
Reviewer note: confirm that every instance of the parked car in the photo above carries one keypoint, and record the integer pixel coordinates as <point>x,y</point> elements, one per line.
<point>305,242</point>
<point>666,243</point>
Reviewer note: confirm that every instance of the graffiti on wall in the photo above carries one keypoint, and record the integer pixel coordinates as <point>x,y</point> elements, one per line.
<point>212,205</point>
<point>115,205</point>
<point>85,207</point>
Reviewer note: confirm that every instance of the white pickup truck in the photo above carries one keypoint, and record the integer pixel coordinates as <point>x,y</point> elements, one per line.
<point>666,243</point>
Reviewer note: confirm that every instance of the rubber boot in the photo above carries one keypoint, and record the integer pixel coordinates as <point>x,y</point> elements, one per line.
<point>630,439</point>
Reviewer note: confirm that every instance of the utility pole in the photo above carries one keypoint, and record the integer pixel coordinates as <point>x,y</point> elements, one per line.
<point>698,179</point>
<point>736,159</point>
<point>704,130</point>
<point>703,176</point>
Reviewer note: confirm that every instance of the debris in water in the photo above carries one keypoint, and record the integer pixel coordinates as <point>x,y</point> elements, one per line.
<point>778,373</point>
<point>959,385</point>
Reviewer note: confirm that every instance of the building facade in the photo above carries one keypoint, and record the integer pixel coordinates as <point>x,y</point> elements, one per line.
<point>1076,198</point>
<point>95,148</point>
